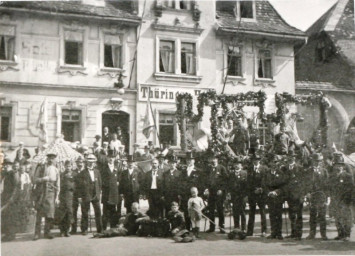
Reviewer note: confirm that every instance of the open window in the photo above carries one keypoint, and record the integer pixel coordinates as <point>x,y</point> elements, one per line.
<point>264,64</point>
<point>167,56</point>
<point>234,61</point>
<point>112,51</point>
<point>73,48</point>
<point>245,10</point>
<point>5,123</point>
<point>188,56</point>
<point>71,128</point>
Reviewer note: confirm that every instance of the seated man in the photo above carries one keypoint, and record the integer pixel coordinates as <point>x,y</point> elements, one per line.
<point>176,219</point>
<point>133,219</point>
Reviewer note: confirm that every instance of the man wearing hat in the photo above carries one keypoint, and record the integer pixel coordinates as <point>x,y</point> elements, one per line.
<point>256,194</point>
<point>274,181</point>
<point>80,167</point>
<point>238,186</point>
<point>90,191</point>
<point>162,165</point>
<point>146,159</point>
<point>153,189</point>
<point>22,154</point>
<point>190,177</point>
<point>106,137</point>
<point>130,183</point>
<point>295,193</point>
<point>216,182</point>
<point>136,152</point>
<point>47,189</point>
<point>342,180</point>
<point>281,142</point>
<point>318,182</point>
<point>110,196</point>
<point>241,141</point>
<point>171,182</point>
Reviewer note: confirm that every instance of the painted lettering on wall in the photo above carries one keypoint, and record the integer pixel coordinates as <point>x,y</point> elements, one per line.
<point>38,55</point>
<point>163,94</point>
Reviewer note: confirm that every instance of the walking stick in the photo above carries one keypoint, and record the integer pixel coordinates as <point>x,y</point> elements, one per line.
<point>284,208</point>
<point>230,217</point>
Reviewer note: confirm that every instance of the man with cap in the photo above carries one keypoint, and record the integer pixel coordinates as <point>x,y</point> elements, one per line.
<point>274,182</point>
<point>190,177</point>
<point>216,182</point>
<point>22,154</point>
<point>238,187</point>
<point>89,192</point>
<point>295,193</point>
<point>110,196</point>
<point>80,167</point>
<point>153,189</point>
<point>342,182</point>
<point>282,142</point>
<point>47,189</point>
<point>98,142</point>
<point>130,181</point>
<point>146,159</point>
<point>171,182</point>
<point>136,152</point>
<point>317,188</point>
<point>256,194</point>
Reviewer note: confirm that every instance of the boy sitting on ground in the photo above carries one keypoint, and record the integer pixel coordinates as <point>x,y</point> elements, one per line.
<point>176,219</point>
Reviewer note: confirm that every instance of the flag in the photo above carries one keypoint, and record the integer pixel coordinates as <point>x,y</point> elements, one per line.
<point>42,124</point>
<point>148,121</point>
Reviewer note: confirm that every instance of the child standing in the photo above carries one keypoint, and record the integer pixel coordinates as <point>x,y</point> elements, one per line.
<point>195,205</point>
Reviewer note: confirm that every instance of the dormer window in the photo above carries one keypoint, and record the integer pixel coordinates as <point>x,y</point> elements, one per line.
<point>245,10</point>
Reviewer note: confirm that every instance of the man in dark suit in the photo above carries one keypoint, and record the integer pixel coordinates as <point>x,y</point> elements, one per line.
<point>318,189</point>
<point>90,190</point>
<point>274,183</point>
<point>76,176</point>
<point>153,189</point>
<point>162,164</point>
<point>129,187</point>
<point>106,137</point>
<point>171,183</point>
<point>256,194</point>
<point>295,192</point>
<point>217,180</point>
<point>110,196</point>
<point>238,186</point>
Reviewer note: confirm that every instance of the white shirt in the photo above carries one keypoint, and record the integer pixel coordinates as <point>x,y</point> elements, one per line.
<point>190,169</point>
<point>130,171</point>
<point>256,168</point>
<point>111,167</point>
<point>154,179</point>
<point>24,179</point>
<point>115,144</point>
<point>51,172</point>
<point>92,176</point>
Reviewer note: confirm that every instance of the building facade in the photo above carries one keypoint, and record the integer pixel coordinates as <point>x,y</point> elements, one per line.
<point>151,47</point>
<point>327,63</point>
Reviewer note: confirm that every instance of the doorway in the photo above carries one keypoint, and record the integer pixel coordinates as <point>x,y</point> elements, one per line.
<point>114,119</point>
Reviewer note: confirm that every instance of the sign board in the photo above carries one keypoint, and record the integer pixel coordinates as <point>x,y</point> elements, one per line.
<point>165,94</point>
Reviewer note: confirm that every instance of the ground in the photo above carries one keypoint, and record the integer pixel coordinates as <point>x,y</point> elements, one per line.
<point>209,244</point>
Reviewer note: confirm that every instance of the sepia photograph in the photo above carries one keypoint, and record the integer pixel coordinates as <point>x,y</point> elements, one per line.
<point>177,127</point>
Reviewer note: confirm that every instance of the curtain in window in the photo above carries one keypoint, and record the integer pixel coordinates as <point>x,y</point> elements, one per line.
<point>80,53</point>
<point>116,55</point>
<point>167,59</point>
<point>190,67</point>
<point>264,64</point>
<point>7,47</point>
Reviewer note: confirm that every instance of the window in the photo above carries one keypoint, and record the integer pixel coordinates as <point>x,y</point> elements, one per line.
<point>73,48</point>
<point>5,123</point>
<point>246,9</point>
<point>178,4</point>
<point>167,129</point>
<point>188,58</point>
<point>112,51</point>
<point>71,125</point>
<point>234,61</point>
<point>7,48</point>
<point>167,57</point>
<point>264,64</point>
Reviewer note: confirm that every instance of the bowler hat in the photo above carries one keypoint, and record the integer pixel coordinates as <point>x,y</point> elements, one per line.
<point>190,155</point>
<point>173,158</point>
<point>161,155</point>
<point>317,157</point>
<point>80,159</point>
<point>130,159</point>
<point>91,158</point>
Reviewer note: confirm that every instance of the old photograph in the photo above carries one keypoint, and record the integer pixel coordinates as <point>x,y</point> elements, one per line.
<point>177,127</point>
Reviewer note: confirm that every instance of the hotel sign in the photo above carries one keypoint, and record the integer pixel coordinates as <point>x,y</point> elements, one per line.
<point>165,94</point>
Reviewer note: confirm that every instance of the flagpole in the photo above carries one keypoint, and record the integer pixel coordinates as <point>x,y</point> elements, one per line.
<point>155,124</point>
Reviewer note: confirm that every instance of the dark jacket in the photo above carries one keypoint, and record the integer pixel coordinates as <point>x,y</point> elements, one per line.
<point>318,185</point>
<point>295,188</point>
<point>255,180</point>
<point>237,183</point>
<point>217,178</point>
<point>176,219</point>
<point>148,179</point>
<point>187,182</point>
<point>77,182</point>
<point>85,192</point>
<point>171,183</point>
<point>67,188</point>
<point>275,180</point>
<point>25,155</point>
<point>109,185</point>
<point>130,184</point>
<point>342,186</point>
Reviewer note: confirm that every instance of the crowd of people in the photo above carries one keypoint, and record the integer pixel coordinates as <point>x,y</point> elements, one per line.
<point>184,189</point>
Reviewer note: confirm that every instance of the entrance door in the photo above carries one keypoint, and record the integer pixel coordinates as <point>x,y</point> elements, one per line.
<point>114,119</point>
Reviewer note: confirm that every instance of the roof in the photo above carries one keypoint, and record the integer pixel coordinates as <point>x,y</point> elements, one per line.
<point>73,7</point>
<point>338,24</point>
<point>267,20</point>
